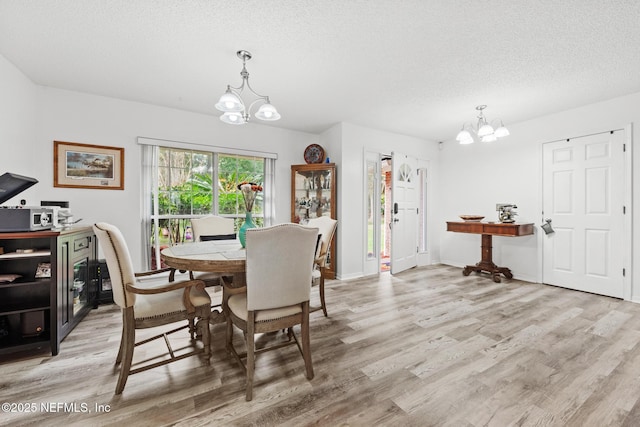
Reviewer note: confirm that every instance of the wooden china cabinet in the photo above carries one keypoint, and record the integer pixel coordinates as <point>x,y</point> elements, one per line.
<point>313,194</point>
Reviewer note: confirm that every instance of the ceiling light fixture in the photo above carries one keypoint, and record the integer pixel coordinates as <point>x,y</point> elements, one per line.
<point>483,129</point>
<point>235,112</point>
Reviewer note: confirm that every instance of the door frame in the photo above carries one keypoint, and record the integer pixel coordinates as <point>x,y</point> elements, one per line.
<point>423,258</point>
<point>627,256</point>
<point>627,249</point>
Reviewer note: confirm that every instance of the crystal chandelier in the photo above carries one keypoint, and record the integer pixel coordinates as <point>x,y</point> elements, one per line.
<point>485,131</point>
<point>231,103</point>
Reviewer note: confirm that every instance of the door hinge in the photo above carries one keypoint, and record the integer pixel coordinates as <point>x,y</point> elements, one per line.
<point>624,148</point>
<point>624,272</point>
<point>624,210</point>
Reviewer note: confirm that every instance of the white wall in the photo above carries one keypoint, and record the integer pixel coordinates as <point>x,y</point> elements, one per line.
<point>17,125</point>
<point>77,117</point>
<point>464,179</point>
<point>36,116</point>
<point>475,177</point>
<point>352,141</point>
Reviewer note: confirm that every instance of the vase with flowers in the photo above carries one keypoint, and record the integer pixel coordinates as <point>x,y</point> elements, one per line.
<point>249,191</point>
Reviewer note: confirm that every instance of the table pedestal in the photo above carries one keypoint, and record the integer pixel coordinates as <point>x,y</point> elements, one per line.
<point>486,264</point>
<point>238,285</point>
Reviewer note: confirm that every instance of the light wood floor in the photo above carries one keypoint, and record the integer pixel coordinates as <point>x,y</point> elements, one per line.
<point>426,347</point>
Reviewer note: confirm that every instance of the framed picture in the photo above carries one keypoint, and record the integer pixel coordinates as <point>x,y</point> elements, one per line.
<point>87,166</point>
<point>43,270</point>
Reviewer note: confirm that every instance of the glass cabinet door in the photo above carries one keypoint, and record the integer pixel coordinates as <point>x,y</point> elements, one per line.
<point>313,191</point>
<point>313,194</point>
<point>80,284</point>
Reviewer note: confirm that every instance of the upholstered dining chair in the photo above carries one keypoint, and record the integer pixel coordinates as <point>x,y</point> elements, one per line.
<point>211,227</point>
<point>278,276</point>
<point>149,305</point>
<point>327,229</point>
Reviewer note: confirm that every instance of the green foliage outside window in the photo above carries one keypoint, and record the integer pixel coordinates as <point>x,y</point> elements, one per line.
<point>186,182</point>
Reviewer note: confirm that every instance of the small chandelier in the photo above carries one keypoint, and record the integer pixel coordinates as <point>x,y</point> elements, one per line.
<point>483,129</point>
<point>235,112</point>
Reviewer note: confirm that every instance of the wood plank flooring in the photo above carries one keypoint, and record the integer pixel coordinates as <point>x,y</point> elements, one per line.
<point>428,347</point>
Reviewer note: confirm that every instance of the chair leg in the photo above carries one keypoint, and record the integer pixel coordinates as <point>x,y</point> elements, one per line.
<point>306,340</point>
<point>122,339</point>
<point>127,345</point>
<point>251,356</point>
<point>321,285</point>
<point>205,332</point>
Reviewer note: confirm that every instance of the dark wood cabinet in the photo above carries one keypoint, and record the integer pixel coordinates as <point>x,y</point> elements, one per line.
<point>55,287</point>
<point>313,194</point>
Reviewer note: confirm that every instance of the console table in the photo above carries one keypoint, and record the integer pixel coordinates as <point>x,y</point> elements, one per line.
<point>487,230</point>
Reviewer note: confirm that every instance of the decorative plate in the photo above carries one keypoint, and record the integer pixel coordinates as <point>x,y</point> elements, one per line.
<point>471,217</point>
<point>314,154</point>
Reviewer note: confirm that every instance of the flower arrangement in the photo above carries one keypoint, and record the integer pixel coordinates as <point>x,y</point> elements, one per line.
<point>249,190</point>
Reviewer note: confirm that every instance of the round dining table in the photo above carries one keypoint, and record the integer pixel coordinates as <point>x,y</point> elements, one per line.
<point>227,257</point>
<point>217,256</point>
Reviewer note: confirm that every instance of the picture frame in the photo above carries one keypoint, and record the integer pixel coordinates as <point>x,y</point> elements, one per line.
<point>43,270</point>
<point>77,165</point>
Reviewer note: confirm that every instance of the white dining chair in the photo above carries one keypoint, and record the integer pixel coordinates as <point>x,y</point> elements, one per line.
<point>278,285</point>
<point>211,227</point>
<point>327,229</point>
<point>149,306</point>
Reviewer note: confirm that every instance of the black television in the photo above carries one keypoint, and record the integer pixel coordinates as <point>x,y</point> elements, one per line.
<point>12,184</point>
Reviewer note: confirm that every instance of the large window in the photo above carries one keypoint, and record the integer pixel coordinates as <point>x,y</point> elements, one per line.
<point>190,184</point>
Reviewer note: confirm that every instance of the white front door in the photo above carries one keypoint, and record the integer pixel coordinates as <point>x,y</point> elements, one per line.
<point>404,223</point>
<point>583,196</point>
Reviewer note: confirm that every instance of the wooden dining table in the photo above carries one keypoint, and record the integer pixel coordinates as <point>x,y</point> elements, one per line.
<point>226,257</point>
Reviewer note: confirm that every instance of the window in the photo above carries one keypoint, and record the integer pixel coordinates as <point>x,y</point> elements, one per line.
<point>422,218</point>
<point>186,184</point>
<point>372,208</point>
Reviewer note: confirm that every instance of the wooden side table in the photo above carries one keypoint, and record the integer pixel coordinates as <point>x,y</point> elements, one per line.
<point>488,230</point>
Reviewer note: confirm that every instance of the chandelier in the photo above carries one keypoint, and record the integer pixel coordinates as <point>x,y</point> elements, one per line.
<point>235,111</point>
<point>485,131</point>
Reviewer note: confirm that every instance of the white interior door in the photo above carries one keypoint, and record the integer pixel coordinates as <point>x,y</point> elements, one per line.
<point>583,196</point>
<point>404,223</point>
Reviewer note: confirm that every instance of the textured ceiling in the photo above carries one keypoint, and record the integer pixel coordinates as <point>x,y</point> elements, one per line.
<point>416,67</point>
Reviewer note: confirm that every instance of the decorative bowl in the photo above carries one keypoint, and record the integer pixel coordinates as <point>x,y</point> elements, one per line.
<point>471,217</point>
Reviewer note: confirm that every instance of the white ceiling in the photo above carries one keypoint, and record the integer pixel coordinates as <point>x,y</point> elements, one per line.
<point>416,67</point>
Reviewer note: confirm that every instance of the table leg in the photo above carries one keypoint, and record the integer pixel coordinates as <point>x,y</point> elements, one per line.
<point>486,264</point>
<point>236,285</point>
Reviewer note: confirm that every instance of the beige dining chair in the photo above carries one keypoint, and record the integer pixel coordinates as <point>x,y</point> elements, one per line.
<point>211,227</point>
<point>149,305</point>
<point>327,229</point>
<point>278,275</point>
